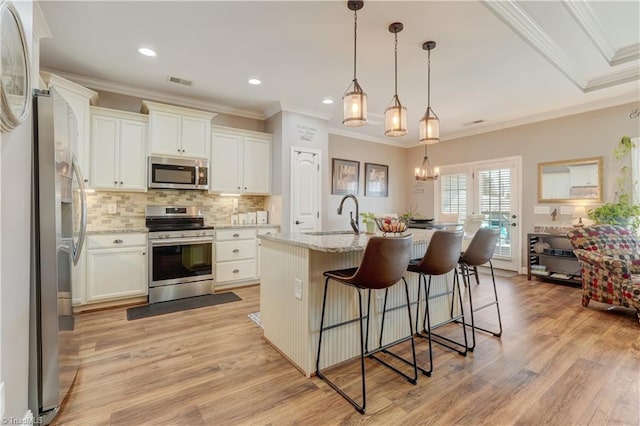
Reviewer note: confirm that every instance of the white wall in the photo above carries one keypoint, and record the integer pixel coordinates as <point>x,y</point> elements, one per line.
<point>365,152</point>
<point>15,198</point>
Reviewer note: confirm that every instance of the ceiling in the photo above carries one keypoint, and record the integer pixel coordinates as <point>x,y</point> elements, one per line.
<point>506,63</point>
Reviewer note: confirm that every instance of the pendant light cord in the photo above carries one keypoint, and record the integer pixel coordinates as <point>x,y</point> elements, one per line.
<point>355,39</point>
<point>396,64</point>
<point>428,84</point>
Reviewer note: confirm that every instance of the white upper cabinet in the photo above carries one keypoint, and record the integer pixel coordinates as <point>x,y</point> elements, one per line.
<point>79,99</point>
<point>118,150</point>
<point>240,161</point>
<point>177,131</point>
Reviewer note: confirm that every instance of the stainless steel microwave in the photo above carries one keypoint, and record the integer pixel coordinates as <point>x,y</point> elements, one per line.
<point>178,173</point>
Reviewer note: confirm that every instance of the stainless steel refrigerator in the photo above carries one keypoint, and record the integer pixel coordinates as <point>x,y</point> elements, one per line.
<point>59,217</point>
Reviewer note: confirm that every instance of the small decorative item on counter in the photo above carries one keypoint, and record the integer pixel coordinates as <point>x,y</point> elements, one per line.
<point>387,225</point>
<point>368,219</point>
<point>242,219</point>
<point>234,219</point>
<point>252,218</point>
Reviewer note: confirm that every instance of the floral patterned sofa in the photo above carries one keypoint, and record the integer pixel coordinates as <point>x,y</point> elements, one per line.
<point>609,256</point>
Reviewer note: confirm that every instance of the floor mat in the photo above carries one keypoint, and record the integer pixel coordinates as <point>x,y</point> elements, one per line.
<point>255,317</point>
<point>180,305</point>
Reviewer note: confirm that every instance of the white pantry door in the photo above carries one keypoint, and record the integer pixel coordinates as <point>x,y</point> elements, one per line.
<point>305,190</point>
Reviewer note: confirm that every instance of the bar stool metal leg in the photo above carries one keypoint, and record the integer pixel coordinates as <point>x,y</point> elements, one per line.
<point>445,341</point>
<point>467,279</point>
<point>426,326</point>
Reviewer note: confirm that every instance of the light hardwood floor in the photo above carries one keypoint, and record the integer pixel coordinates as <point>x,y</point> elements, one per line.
<point>557,363</point>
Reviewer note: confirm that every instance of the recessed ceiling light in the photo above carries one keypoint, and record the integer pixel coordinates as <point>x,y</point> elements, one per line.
<point>327,101</point>
<point>147,52</point>
<point>254,81</point>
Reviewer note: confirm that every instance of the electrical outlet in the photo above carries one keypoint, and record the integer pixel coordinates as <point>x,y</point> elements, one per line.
<point>273,208</point>
<point>541,210</point>
<point>298,289</point>
<point>566,210</point>
<point>2,400</point>
<point>112,208</point>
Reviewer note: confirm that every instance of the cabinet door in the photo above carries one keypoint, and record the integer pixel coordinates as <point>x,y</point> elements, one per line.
<point>133,155</point>
<point>80,138</point>
<point>104,145</point>
<point>164,133</point>
<point>195,137</point>
<point>115,274</point>
<point>226,168</point>
<point>257,166</point>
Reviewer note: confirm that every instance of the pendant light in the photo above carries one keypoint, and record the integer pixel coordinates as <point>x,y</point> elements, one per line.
<point>354,99</point>
<point>395,116</point>
<point>429,125</point>
<point>426,172</point>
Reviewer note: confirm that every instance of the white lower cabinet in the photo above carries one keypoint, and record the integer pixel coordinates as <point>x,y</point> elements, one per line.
<point>116,266</point>
<point>235,257</point>
<point>263,231</point>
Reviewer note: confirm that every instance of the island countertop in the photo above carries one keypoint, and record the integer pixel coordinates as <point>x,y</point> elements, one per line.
<point>339,241</point>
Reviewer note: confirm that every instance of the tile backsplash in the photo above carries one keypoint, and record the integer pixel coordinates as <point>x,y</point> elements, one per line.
<point>131,206</point>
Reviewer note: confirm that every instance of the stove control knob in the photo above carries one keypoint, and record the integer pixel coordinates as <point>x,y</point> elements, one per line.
<point>167,235</point>
<point>182,235</point>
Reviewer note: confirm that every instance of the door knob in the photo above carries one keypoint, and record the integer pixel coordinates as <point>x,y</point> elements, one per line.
<point>297,222</point>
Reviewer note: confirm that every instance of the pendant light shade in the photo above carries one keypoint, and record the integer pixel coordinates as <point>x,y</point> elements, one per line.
<point>354,99</point>
<point>426,172</point>
<point>395,116</point>
<point>430,124</point>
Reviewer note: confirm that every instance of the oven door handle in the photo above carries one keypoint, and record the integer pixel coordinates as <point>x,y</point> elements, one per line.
<point>180,241</point>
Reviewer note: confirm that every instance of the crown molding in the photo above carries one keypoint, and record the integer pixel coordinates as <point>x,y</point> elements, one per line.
<point>583,14</point>
<point>522,24</point>
<point>626,54</point>
<point>303,111</point>
<point>368,138</point>
<point>549,115</point>
<point>613,79</point>
<point>123,89</point>
<point>40,27</point>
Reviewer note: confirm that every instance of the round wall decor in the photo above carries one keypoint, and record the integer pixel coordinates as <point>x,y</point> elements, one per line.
<point>15,79</point>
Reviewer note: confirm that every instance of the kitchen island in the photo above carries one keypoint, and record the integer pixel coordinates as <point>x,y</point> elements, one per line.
<point>291,290</point>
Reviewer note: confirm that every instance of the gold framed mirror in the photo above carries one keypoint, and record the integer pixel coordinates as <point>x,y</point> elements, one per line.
<point>570,181</point>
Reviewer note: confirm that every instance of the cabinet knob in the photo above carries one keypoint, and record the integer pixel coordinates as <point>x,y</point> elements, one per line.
<point>245,188</point>
<point>236,235</point>
<point>144,253</point>
<point>235,271</point>
<point>115,182</point>
<point>236,251</point>
<point>86,181</point>
<point>118,241</point>
<point>121,183</point>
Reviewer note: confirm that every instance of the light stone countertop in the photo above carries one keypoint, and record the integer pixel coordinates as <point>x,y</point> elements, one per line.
<point>339,241</point>
<point>251,226</point>
<point>100,231</point>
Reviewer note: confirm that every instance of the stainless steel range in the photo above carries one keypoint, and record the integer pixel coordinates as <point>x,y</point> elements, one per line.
<point>181,253</point>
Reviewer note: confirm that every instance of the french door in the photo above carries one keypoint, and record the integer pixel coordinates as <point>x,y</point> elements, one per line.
<point>491,188</point>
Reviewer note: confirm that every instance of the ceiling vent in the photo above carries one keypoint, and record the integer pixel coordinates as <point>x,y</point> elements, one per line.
<point>471,123</point>
<point>182,81</point>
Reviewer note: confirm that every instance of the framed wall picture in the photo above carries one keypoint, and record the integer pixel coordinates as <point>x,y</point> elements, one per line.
<point>376,180</point>
<point>345,177</point>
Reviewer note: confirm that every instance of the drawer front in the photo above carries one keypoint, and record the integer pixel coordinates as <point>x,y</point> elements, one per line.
<point>235,250</point>
<point>235,234</point>
<point>116,240</point>
<point>232,271</point>
<point>266,231</point>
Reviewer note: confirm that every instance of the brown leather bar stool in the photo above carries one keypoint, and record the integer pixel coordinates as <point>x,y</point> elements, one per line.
<point>383,264</point>
<point>440,258</point>
<point>480,251</point>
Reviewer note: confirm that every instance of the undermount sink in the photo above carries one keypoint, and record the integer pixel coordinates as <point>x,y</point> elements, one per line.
<point>329,233</point>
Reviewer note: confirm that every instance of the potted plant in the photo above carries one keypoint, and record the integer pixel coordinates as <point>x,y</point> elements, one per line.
<point>622,211</point>
<point>368,219</point>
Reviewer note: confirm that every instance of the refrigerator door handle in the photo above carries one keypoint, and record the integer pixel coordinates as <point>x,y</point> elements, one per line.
<point>77,248</point>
